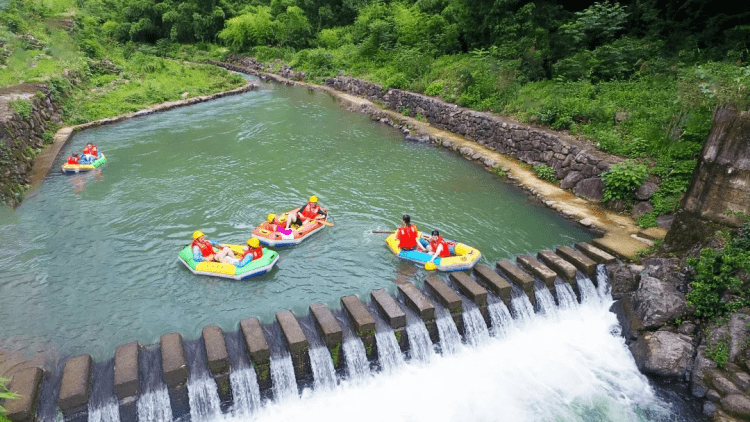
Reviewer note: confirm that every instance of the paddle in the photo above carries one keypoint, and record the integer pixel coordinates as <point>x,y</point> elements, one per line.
<point>382,232</point>
<point>327,223</point>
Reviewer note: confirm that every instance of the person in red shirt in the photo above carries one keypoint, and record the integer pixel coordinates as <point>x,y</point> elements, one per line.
<point>407,235</point>
<point>252,252</point>
<point>309,211</point>
<point>438,246</point>
<point>73,159</point>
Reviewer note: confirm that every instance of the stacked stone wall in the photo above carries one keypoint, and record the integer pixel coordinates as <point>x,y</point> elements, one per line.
<point>21,137</point>
<point>577,163</point>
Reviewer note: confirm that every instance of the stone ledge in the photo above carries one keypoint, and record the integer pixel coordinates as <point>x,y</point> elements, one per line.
<point>395,317</point>
<point>255,340</point>
<point>126,379</point>
<point>329,327</point>
<point>364,322</point>
<point>295,337</point>
<point>27,384</point>
<point>417,301</point>
<point>216,350</point>
<point>174,365</point>
<point>75,386</point>
<point>495,282</point>
<point>579,260</point>
<point>447,297</point>
<point>470,288</point>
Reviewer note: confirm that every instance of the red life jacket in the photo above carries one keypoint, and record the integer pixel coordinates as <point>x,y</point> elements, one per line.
<point>257,252</point>
<point>440,241</point>
<point>311,210</point>
<point>204,245</point>
<point>94,151</point>
<point>72,160</point>
<point>407,237</point>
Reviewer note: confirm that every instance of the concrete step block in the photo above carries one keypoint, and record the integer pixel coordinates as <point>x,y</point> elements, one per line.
<point>173,363</point>
<point>295,337</point>
<point>364,322</point>
<point>538,270</point>
<point>516,275</point>
<point>494,282</point>
<point>470,288</point>
<point>255,339</point>
<point>127,381</point>
<point>327,323</point>
<point>447,297</point>
<point>417,301</point>
<point>579,260</point>
<point>216,350</point>
<point>563,268</point>
<point>393,313</point>
<point>75,386</point>
<point>27,383</point>
<point>595,253</point>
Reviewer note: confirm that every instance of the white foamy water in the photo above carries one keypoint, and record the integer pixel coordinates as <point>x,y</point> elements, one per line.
<point>589,294</point>
<point>357,365</point>
<point>282,378</point>
<point>545,301</point>
<point>566,368</point>
<point>565,294</point>
<point>389,352</point>
<point>420,346</point>
<point>324,375</point>
<point>245,391</point>
<point>109,412</point>
<point>154,406</point>
<point>523,312</point>
<point>204,398</point>
<point>475,329</point>
<point>450,339</point>
<point>502,322</point>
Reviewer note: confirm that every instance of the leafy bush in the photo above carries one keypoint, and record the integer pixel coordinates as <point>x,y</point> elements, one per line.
<point>21,106</point>
<point>545,172</point>
<point>623,179</point>
<point>434,89</point>
<point>716,288</point>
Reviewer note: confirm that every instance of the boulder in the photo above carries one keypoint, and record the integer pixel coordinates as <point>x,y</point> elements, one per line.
<point>663,353</point>
<point>571,179</point>
<point>645,191</point>
<point>701,364</point>
<point>657,302</point>
<point>737,405</point>
<point>624,278</point>
<point>591,188</point>
<point>641,208</point>
<point>738,334</point>
<point>664,221</point>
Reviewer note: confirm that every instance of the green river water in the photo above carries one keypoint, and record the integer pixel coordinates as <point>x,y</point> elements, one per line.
<point>89,261</point>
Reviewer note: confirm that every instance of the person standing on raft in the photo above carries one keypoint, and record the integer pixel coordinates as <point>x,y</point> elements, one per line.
<point>407,235</point>
<point>309,211</point>
<point>203,250</point>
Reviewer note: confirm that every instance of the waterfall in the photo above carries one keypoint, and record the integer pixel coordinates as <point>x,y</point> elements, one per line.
<point>357,365</point>
<point>103,405</point>
<point>589,294</point>
<point>502,322</point>
<point>475,328</point>
<point>389,352</point>
<point>450,339</point>
<point>203,395</point>
<point>324,373</point>
<point>242,377</point>
<point>602,279</point>
<point>545,301</point>
<point>421,348</point>
<point>153,405</point>
<point>522,309</point>
<point>565,294</point>
<point>282,377</point>
<point>245,391</point>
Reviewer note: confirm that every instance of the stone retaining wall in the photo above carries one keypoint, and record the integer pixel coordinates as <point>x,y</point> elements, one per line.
<point>21,137</point>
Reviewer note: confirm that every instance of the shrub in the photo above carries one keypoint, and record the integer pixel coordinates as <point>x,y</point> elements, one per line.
<point>622,179</point>
<point>21,106</point>
<point>545,172</point>
<point>434,89</point>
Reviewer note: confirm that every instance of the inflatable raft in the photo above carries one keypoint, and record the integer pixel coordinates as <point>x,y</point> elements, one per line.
<point>78,168</point>
<point>267,237</point>
<point>218,269</point>
<point>462,257</point>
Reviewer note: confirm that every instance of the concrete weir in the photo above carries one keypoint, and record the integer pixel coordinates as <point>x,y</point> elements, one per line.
<point>483,288</point>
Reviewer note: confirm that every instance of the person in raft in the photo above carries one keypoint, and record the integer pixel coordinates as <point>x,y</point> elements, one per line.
<point>309,211</point>
<point>90,153</point>
<point>438,246</point>
<point>74,159</point>
<point>252,252</point>
<point>273,225</point>
<point>407,235</point>
<point>203,250</point>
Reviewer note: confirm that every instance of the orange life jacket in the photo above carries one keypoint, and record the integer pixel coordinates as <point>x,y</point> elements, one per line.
<point>257,252</point>
<point>204,245</point>
<point>311,210</point>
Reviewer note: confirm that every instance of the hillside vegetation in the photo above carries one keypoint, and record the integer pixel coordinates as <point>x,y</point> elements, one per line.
<point>640,79</point>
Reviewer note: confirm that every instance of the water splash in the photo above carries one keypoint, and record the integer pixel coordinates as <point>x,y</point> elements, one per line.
<point>282,377</point>
<point>523,312</point>
<point>204,398</point>
<point>389,352</point>
<point>602,279</point>
<point>502,322</point>
<point>565,294</point>
<point>357,365</point>
<point>475,329</point>
<point>545,301</point>
<point>450,339</point>
<point>589,294</point>
<point>107,412</point>
<point>324,373</point>
<point>154,406</point>
<point>421,348</point>
<point>245,392</point>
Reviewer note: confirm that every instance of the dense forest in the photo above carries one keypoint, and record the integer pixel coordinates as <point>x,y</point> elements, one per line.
<point>639,78</point>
